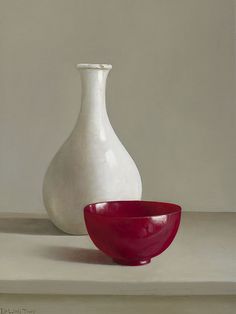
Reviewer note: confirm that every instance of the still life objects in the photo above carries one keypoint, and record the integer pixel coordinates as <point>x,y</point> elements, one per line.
<point>92,165</point>
<point>132,232</point>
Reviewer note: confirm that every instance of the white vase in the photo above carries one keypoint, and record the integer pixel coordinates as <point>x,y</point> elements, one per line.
<point>92,165</point>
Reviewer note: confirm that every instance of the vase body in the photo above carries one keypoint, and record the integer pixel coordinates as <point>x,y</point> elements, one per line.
<point>92,165</point>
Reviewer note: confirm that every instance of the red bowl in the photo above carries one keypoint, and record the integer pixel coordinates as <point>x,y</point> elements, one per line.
<point>132,232</point>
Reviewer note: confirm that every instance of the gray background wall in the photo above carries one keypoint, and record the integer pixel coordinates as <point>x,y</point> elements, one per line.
<point>170,94</point>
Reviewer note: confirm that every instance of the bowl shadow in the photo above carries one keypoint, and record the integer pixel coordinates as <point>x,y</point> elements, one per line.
<point>77,255</point>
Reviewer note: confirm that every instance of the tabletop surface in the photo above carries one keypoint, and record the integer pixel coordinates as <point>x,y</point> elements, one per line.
<point>38,258</point>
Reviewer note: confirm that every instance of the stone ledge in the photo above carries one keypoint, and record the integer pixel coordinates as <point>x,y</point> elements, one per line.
<point>36,258</point>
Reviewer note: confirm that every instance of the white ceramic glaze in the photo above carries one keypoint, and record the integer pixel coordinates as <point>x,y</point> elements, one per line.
<point>92,165</point>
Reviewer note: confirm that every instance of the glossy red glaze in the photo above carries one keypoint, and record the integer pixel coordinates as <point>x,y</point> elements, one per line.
<point>132,232</point>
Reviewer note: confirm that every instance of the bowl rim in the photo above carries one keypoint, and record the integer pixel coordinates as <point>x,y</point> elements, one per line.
<point>178,209</point>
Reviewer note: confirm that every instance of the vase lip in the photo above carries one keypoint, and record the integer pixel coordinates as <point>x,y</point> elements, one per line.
<point>99,66</point>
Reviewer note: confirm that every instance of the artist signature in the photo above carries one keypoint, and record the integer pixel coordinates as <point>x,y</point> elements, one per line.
<point>20,310</point>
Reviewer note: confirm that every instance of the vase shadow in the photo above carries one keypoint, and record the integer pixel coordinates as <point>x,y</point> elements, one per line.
<point>34,226</point>
<point>76,255</point>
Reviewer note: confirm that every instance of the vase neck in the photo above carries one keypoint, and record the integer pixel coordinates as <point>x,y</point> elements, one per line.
<point>93,83</point>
